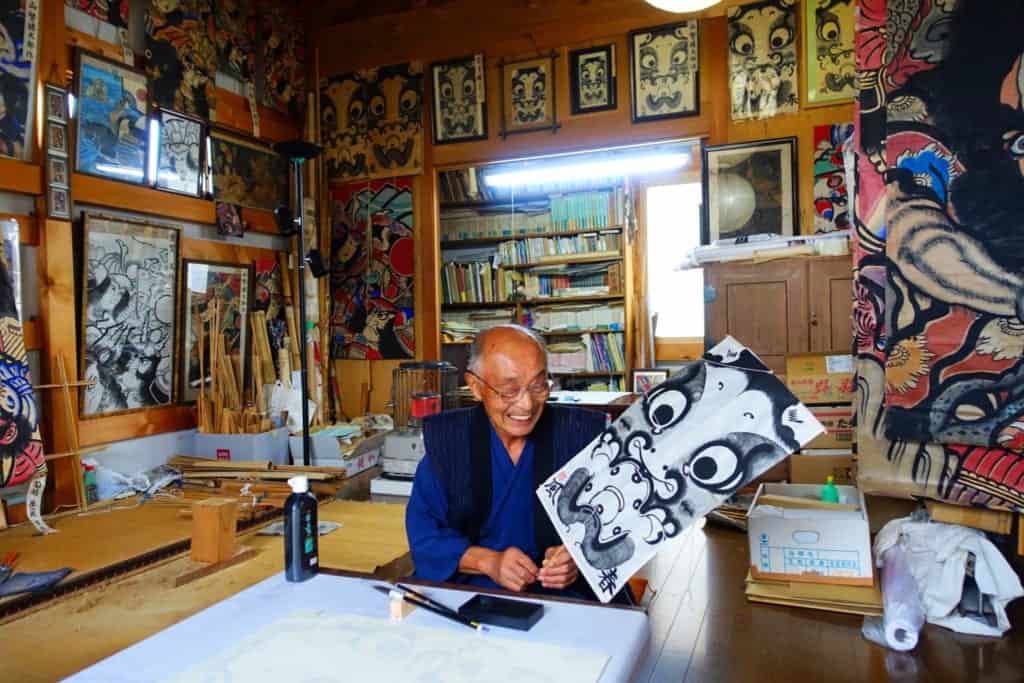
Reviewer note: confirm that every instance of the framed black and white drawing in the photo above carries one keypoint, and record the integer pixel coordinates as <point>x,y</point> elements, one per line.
<point>205,284</point>
<point>56,104</point>
<point>129,295</point>
<point>749,189</point>
<point>645,379</point>
<point>57,172</point>
<point>460,100</point>
<point>763,69</point>
<point>664,64</point>
<point>528,95</point>
<point>179,153</point>
<point>592,79</point>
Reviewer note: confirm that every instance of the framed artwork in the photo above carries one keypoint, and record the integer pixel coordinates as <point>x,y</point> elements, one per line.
<point>19,33</point>
<point>59,202</point>
<point>56,139</point>
<point>57,172</point>
<point>11,232</point>
<point>762,59</point>
<point>247,173</point>
<point>831,200</point>
<point>528,95</point>
<point>749,189</point>
<point>460,100</point>
<point>130,273</point>
<point>179,154</point>
<point>56,104</point>
<point>665,64</point>
<point>592,79</point>
<point>642,380</point>
<point>205,283</point>
<point>828,51</point>
<point>113,106</point>
<point>109,11</point>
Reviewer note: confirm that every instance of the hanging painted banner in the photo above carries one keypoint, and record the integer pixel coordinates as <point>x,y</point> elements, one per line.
<point>113,12</point>
<point>284,57</point>
<point>372,273</point>
<point>671,458</point>
<point>937,323</point>
<point>181,55</point>
<point>831,203</point>
<point>235,35</point>
<point>19,32</point>
<point>371,123</point>
<point>762,59</point>
<point>21,447</point>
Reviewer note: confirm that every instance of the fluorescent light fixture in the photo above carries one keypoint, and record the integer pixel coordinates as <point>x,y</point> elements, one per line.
<point>118,170</point>
<point>680,6</point>
<point>72,101</point>
<point>590,170</point>
<point>153,151</point>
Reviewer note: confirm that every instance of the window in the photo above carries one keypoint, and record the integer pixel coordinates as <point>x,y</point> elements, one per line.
<point>673,229</point>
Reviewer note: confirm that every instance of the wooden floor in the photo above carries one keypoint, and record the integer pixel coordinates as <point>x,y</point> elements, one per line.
<point>704,630</point>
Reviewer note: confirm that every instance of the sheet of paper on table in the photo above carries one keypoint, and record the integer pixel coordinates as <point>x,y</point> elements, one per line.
<point>587,397</point>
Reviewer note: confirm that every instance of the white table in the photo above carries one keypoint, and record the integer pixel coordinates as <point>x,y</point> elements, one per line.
<point>621,634</point>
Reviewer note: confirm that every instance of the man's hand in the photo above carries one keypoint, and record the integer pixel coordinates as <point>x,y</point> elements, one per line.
<point>512,569</point>
<point>558,570</point>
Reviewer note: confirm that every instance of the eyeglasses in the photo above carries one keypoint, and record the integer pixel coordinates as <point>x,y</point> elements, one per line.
<point>537,389</point>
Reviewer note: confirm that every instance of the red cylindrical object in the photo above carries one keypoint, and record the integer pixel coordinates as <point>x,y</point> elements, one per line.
<point>425,404</point>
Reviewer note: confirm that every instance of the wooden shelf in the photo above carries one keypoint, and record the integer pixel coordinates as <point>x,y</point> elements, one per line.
<point>569,260</point>
<point>571,333</point>
<point>20,177</point>
<point>532,302</point>
<point>566,373</point>
<point>484,241</point>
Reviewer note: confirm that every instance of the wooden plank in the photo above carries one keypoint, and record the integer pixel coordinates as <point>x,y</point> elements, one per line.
<point>28,228</point>
<point>380,384</point>
<point>233,112</point>
<point>170,418</point>
<point>227,252</point>
<point>214,522</point>
<point>87,189</point>
<point>76,39</point>
<point>20,177</point>
<point>995,521</point>
<point>33,331</point>
<point>197,570</point>
<point>259,221</point>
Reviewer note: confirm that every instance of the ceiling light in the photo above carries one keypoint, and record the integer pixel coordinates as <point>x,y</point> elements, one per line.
<point>680,6</point>
<point>590,170</point>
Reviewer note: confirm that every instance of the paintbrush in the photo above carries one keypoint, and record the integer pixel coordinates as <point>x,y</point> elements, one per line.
<point>441,610</point>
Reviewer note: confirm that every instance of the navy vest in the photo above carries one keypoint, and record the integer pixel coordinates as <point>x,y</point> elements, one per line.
<point>458,447</point>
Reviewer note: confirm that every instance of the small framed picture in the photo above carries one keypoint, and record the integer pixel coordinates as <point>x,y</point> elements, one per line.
<point>749,189</point>
<point>56,139</point>
<point>57,172</point>
<point>56,104</point>
<point>665,63</point>
<point>59,203</point>
<point>592,79</point>
<point>460,100</point>
<point>528,95</point>
<point>645,379</point>
<point>179,153</point>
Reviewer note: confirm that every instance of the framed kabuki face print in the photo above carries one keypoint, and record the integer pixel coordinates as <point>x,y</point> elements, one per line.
<point>664,67</point>
<point>460,100</point>
<point>592,79</point>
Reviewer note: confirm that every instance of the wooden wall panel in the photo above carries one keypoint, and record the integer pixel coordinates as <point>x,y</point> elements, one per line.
<point>20,177</point>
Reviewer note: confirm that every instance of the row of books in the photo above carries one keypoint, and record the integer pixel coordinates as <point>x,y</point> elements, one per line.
<point>463,185</point>
<point>483,282</point>
<point>537,249</point>
<point>602,352</point>
<point>467,224</point>
<point>462,326</point>
<point>586,210</point>
<point>569,317</point>
<point>573,281</point>
<point>474,282</point>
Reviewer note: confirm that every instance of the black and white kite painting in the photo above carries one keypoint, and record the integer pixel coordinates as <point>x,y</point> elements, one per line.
<point>671,458</point>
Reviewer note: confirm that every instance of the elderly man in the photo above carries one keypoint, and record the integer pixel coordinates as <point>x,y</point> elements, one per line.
<point>473,516</point>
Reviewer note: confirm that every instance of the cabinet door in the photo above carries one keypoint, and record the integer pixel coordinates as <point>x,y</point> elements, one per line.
<point>762,305</point>
<point>831,297</point>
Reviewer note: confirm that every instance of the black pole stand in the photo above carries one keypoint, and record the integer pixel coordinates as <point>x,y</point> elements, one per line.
<point>298,151</point>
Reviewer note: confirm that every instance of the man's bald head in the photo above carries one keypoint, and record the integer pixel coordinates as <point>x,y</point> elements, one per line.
<point>509,339</point>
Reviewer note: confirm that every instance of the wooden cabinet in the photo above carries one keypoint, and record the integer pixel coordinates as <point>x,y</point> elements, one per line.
<point>776,308</point>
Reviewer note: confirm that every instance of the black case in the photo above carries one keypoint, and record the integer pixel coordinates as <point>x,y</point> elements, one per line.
<point>489,609</point>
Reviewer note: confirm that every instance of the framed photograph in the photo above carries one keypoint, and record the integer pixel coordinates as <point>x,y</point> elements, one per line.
<point>528,95</point>
<point>763,79</point>
<point>206,284</point>
<point>643,380</point>
<point>113,110</point>
<point>828,51</point>
<point>56,104</point>
<point>57,172</point>
<point>460,100</point>
<point>179,153</point>
<point>749,189</point>
<point>246,172</point>
<point>56,139</point>
<point>592,81</point>
<point>665,64</point>
<point>59,202</point>
<point>129,313</point>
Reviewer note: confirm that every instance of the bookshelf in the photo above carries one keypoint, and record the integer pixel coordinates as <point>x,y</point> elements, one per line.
<point>552,257</point>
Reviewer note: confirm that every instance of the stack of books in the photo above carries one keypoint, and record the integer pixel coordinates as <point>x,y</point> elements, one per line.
<point>538,249</point>
<point>570,317</point>
<point>593,279</point>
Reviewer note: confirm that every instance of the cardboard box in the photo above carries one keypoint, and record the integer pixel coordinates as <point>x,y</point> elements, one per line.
<point>820,377</point>
<point>838,423</point>
<point>813,543</point>
<point>812,468</point>
<point>330,451</point>
<point>272,446</point>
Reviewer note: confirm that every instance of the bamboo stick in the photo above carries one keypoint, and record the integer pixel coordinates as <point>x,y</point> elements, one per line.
<point>72,427</point>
